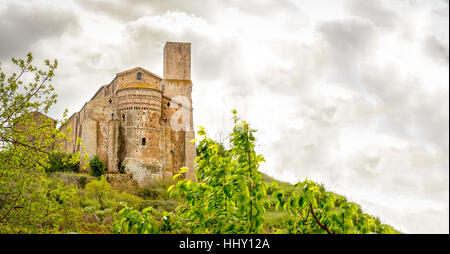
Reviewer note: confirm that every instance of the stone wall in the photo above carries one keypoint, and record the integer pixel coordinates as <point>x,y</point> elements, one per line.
<point>123,182</point>
<point>141,122</point>
<point>140,111</point>
<point>177,60</point>
<point>130,78</point>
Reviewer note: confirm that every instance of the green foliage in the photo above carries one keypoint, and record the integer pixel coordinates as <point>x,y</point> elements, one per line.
<point>82,181</point>
<point>275,221</point>
<point>312,209</point>
<point>97,166</point>
<point>148,221</point>
<point>99,191</point>
<point>29,202</point>
<point>62,162</point>
<point>98,195</point>
<point>18,99</point>
<point>150,193</point>
<point>163,205</point>
<point>156,190</point>
<point>133,221</point>
<point>228,194</point>
<point>131,200</point>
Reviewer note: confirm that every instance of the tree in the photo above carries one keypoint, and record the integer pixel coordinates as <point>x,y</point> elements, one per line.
<point>62,162</point>
<point>20,100</point>
<point>28,202</point>
<point>97,166</point>
<point>227,196</point>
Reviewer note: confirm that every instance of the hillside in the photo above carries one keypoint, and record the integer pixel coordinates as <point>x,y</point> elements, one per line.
<point>276,218</point>
<point>96,217</point>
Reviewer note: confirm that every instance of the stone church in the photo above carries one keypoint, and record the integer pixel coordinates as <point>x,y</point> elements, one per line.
<point>140,122</point>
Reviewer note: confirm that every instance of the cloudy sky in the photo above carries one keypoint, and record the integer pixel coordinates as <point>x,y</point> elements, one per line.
<point>353,94</point>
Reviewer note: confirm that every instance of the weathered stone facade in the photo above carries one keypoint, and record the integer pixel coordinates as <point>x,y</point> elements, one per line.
<point>140,121</point>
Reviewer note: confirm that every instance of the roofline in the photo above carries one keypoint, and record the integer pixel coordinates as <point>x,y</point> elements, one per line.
<point>176,42</point>
<point>117,75</point>
<point>97,92</point>
<point>40,113</point>
<point>135,69</point>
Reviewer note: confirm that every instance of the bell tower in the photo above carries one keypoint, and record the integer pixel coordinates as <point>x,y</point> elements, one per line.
<point>177,106</point>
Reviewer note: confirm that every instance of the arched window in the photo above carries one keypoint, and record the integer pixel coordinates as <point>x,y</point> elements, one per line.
<point>143,141</point>
<point>139,76</point>
<point>123,117</point>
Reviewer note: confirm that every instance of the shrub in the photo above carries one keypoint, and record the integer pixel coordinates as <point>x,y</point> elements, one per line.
<point>62,162</point>
<point>100,191</point>
<point>97,166</point>
<point>127,198</point>
<point>82,181</point>
<point>133,221</point>
<point>99,195</point>
<point>86,202</point>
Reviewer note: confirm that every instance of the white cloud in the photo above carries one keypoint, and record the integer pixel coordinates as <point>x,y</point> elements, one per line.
<point>24,25</point>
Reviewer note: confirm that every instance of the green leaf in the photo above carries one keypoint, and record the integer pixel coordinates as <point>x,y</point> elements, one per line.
<point>176,176</point>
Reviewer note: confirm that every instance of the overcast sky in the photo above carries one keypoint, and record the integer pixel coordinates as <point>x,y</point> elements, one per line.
<point>353,94</point>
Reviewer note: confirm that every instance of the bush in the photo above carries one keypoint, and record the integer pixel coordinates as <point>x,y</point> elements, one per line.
<point>99,195</point>
<point>129,199</point>
<point>100,191</point>
<point>97,166</point>
<point>86,202</point>
<point>62,162</point>
<point>135,222</point>
<point>82,181</point>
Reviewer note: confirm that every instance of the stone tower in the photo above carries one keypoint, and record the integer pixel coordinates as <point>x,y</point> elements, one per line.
<point>177,89</point>
<point>140,122</point>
